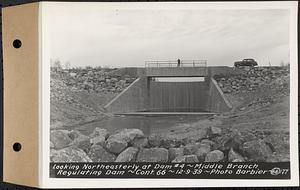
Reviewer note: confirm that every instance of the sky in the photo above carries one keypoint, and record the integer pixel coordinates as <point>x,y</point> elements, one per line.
<point>118,36</point>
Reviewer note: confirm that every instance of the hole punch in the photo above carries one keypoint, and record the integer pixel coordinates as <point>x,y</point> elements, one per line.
<point>17,147</point>
<point>17,43</point>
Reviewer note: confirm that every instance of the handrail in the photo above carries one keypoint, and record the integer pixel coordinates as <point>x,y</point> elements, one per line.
<point>182,63</point>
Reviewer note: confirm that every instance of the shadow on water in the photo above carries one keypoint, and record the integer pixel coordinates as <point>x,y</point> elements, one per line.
<point>148,124</point>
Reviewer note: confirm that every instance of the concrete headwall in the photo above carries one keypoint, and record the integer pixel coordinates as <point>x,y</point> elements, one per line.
<point>217,100</point>
<point>133,98</point>
<point>146,95</point>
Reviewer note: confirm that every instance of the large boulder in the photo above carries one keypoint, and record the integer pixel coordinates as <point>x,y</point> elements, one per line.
<point>152,155</point>
<point>208,142</point>
<point>117,142</point>
<point>82,142</point>
<point>256,150</point>
<point>128,155</point>
<point>69,154</point>
<point>191,148</point>
<point>140,142</point>
<point>98,154</point>
<point>278,142</point>
<point>116,145</point>
<point>186,159</point>
<point>154,140</point>
<point>175,152</point>
<point>277,157</point>
<point>99,132</point>
<point>60,139</point>
<point>170,143</point>
<point>128,134</point>
<point>202,151</point>
<point>227,141</point>
<point>74,134</point>
<point>214,131</point>
<point>98,136</point>
<point>234,156</point>
<point>214,156</point>
<point>98,140</point>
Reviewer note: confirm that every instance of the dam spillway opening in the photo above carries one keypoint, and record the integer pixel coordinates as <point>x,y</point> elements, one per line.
<point>177,94</point>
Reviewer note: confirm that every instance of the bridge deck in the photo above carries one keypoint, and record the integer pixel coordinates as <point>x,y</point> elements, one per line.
<point>176,71</point>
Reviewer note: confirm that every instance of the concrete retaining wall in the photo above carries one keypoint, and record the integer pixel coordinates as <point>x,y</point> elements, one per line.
<point>133,98</point>
<point>217,100</point>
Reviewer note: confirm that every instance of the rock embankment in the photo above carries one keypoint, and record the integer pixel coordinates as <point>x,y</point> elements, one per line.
<point>79,94</point>
<point>97,80</point>
<point>131,145</point>
<point>258,77</point>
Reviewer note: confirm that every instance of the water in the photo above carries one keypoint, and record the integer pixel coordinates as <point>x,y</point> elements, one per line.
<point>148,124</point>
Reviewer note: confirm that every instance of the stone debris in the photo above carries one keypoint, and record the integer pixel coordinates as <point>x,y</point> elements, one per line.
<point>191,148</point>
<point>74,134</point>
<point>279,143</point>
<point>152,155</point>
<point>175,152</point>
<point>69,154</point>
<point>115,145</point>
<point>82,142</point>
<point>186,159</point>
<point>99,132</point>
<point>117,142</point>
<point>130,145</point>
<point>60,139</point>
<point>98,80</point>
<point>169,143</point>
<point>238,160</point>
<point>155,140</point>
<point>99,140</point>
<point>256,150</point>
<point>128,155</point>
<point>128,134</point>
<point>208,142</point>
<point>140,142</point>
<point>234,156</point>
<point>274,77</point>
<point>202,151</point>
<point>214,156</point>
<point>215,131</point>
<point>99,154</point>
<point>98,136</point>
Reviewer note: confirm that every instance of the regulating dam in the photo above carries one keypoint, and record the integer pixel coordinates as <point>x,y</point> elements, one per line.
<point>169,87</point>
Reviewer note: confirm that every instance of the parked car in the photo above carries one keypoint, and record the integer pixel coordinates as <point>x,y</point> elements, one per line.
<point>246,62</point>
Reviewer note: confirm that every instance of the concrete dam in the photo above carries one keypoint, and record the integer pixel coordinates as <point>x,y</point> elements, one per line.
<point>164,87</point>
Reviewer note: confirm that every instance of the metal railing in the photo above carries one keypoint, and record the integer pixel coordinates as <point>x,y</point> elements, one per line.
<point>182,63</point>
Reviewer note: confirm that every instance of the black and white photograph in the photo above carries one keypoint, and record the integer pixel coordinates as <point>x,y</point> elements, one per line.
<point>170,83</point>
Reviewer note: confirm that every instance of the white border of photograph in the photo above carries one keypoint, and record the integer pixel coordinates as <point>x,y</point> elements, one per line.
<point>47,182</point>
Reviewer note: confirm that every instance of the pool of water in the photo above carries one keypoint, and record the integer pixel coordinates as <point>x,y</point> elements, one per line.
<point>148,124</point>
